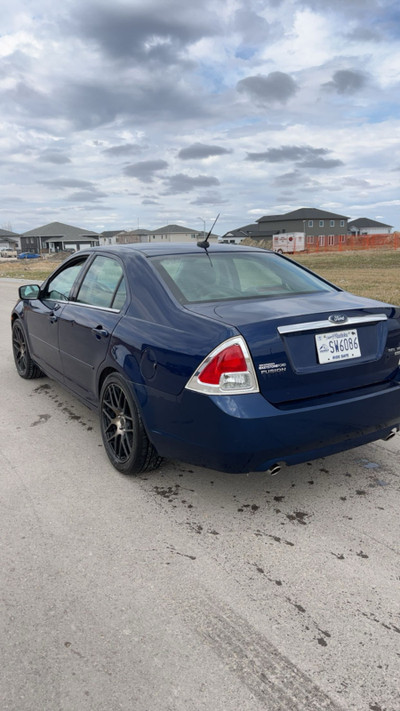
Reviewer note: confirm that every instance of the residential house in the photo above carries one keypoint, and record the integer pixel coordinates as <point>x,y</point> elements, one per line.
<point>253,231</point>
<point>365,226</point>
<point>176,233</point>
<point>132,236</point>
<point>109,237</point>
<point>313,222</point>
<point>57,237</point>
<point>9,240</point>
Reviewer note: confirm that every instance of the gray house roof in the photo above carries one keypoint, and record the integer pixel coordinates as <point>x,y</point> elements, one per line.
<point>58,229</point>
<point>366,222</point>
<point>8,233</point>
<point>174,229</point>
<point>304,213</point>
<point>245,231</point>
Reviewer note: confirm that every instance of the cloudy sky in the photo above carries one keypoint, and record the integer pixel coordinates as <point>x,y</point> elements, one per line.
<point>133,113</point>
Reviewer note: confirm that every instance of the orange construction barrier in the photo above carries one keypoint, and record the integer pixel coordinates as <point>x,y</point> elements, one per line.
<point>340,243</point>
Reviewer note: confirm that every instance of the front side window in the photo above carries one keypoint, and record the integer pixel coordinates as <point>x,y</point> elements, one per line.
<point>103,284</point>
<point>59,287</point>
<point>321,223</point>
<point>230,275</point>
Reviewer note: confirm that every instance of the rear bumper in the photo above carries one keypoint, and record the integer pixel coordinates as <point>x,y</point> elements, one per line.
<point>246,433</point>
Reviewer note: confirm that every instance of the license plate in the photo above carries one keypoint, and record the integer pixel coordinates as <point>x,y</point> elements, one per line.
<point>337,346</point>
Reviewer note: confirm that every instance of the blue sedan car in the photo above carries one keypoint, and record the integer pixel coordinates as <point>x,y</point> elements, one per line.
<point>230,357</point>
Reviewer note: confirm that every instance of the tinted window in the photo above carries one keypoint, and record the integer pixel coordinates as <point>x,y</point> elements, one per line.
<point>234,275</point>
<point>58,288</point>
<point>120,296</point>
<point>103,284</point>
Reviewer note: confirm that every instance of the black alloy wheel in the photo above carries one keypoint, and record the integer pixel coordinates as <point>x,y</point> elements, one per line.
<point>127,445</point>
<point>26,367</point>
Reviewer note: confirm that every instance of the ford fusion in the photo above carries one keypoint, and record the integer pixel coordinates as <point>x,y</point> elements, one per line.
<point>232,358</point>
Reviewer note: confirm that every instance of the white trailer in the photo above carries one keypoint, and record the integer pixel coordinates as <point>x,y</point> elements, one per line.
<point>288,242</point>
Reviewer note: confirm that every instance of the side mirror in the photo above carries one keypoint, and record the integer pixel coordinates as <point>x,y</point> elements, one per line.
<point>29,291</point>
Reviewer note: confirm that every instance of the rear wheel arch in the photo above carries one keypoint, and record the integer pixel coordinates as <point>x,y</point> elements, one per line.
<point>103,375</point>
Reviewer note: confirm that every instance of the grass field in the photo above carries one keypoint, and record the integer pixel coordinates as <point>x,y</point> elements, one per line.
<point>35,269</point>
<point>374,273</point>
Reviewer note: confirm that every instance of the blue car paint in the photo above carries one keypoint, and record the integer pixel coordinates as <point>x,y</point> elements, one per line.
<point>157,343</point>
<point>246,433</point>
<point>301,376</point>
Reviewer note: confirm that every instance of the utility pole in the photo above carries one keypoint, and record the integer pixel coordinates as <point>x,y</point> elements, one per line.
<point>204,226</point>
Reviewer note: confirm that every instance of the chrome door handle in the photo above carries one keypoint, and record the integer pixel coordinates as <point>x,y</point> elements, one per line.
<point>100,331</point>
<point>52,316</point>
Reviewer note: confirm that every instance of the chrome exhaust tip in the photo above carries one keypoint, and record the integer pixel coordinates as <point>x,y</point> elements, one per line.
<point>274,470</point>
<point>390,435</point>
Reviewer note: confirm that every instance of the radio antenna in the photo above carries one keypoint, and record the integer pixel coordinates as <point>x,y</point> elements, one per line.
<point>204,244</point>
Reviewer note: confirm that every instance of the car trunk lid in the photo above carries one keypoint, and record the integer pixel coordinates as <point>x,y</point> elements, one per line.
<point>289,338</point>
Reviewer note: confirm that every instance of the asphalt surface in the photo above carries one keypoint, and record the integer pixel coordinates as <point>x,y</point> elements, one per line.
<point>187,589</point>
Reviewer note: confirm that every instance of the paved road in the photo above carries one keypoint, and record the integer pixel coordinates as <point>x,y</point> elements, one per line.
<point>187,589</point>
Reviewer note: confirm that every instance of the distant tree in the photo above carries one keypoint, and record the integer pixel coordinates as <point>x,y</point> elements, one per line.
<point>7,226</point>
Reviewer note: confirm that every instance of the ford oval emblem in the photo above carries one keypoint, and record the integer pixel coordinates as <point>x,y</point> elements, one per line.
<point>338,318</point>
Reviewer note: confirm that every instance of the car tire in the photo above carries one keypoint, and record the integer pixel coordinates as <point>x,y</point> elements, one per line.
<point>26,367</point>
<point>125,440</point>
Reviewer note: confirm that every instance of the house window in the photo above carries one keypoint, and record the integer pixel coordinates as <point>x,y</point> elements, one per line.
<point>331,240</point>
<point>311,223</point>
<point>332,223</point>
<point>321,223</point>
<point>342,238</point>
<point>342,223</point>
<point>321,240</point>
<point>310,239</point>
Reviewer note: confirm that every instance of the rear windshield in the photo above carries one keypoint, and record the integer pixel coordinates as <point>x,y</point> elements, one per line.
<point>234,275</point>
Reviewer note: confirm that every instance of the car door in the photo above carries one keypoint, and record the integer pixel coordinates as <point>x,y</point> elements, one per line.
<point>87,322</point>
<point>42,317</point>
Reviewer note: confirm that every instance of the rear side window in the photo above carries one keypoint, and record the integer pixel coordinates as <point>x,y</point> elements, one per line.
<point>120,296</point>
<point>103,284</point>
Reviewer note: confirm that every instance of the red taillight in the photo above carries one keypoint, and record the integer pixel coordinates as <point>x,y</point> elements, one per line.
<point>227,370</point>
<point>230,360</point>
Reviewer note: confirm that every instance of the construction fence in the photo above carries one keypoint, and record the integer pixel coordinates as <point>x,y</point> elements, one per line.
<point>338,243</point>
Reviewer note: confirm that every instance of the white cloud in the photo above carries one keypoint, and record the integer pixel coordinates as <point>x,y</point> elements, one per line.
<point>113,107</point>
